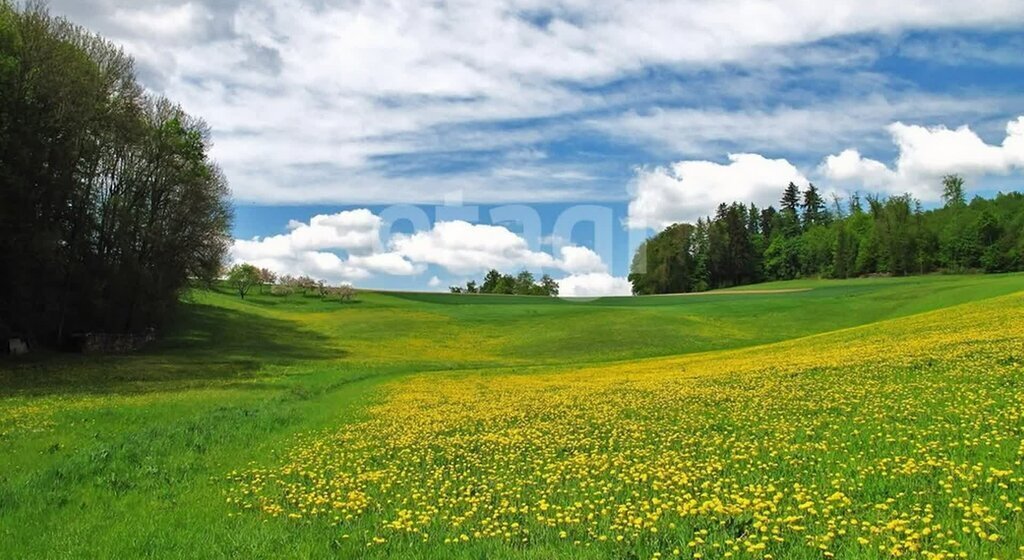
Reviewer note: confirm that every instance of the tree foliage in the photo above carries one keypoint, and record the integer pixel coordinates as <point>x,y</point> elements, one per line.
<point>894,236</point>
<point>522,284</point>
<point>242,277</point>
<point>953,191</point>
<point>109,202</point>
<point>666,263</point>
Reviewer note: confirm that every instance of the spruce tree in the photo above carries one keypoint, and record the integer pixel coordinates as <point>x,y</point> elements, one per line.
<point>814,207</point>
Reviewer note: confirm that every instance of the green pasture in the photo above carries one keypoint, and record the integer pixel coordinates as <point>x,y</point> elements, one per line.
<point>126,456</point>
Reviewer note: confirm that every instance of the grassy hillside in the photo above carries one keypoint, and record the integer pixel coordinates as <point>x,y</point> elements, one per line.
<point>428,414</point>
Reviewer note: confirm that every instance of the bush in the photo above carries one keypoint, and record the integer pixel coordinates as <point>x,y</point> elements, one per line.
<point>280,290</point>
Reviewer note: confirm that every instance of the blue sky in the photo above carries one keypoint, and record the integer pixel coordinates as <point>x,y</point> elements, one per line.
<point>656,111</point>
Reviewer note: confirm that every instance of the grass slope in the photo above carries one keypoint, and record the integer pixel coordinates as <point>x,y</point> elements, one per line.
<point>127,455</point>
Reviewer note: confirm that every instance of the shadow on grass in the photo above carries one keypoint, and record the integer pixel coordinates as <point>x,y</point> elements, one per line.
<point>204,344</point>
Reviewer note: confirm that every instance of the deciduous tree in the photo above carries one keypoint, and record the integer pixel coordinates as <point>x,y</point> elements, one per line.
<point>242,277</point>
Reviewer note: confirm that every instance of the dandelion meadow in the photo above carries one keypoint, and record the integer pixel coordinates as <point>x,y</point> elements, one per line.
<point>871,418</point>
<point>463,280</point>
<point>902,438</point>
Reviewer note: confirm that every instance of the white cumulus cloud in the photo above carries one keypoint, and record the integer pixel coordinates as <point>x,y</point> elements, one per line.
<point>925,155</point>
<point>581,260</point>
<point>687,190</point>
<point>386,263</point>
<point>464,248</point>
<point>849,165</point>
<point>357,231</point>
<point>312,249</point>
<point>593,284</point>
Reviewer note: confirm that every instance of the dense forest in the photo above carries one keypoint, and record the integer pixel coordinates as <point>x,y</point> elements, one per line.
<point>809,237</point>
<point>109,203</point>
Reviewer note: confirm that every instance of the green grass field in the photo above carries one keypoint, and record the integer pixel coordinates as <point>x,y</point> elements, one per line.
<point>866,418</point>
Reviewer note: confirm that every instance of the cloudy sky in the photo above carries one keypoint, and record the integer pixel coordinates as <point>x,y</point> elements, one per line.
<point>328,113</point>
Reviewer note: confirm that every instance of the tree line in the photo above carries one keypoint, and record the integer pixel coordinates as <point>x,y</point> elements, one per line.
<point>243,277</point>
<point>522,284</point>
<point>808,236</point>
<point>109,202</point>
